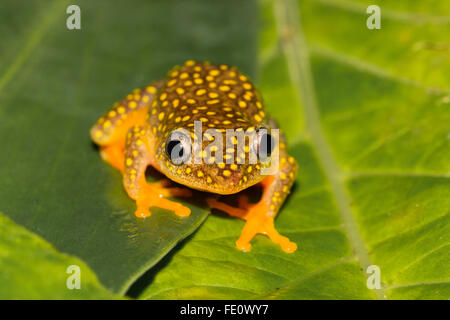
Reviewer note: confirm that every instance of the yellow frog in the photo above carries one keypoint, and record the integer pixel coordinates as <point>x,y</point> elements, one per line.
<point>144,130</point>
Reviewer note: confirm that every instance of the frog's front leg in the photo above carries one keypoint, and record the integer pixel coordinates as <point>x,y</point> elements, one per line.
<point>260,216</point>
<point>138,155</point>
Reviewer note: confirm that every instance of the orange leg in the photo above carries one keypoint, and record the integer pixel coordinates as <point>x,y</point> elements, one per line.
<point>153,195</point>
<point>260,216</point>
<point>113,154</point>
<point>146,195</point>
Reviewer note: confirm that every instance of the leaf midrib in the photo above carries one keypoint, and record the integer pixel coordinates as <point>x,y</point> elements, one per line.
<point>294,46</point>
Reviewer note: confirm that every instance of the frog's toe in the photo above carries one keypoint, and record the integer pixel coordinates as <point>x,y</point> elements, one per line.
<point>243,246</point>
<point>285,244</point>
<point>142,213</point>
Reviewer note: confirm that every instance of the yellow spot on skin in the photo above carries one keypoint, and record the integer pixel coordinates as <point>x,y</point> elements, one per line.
<point>174,74</point>
<point>214,72</point>
<point>98,134</point>
<point>107,124</point>
<point>212,85</point>
<point>179,171</point>
<point>184,75</point>
<point>272,207</point>
<point>188,170</point>
<point>283,176</point>
<point>226,173</point>
<point>210,113</point>
<point>198,81</point>
<point>247,86</point>
<point>171,115</point>
<point>226,122</point>
<point>214,101</point>
<point>186,118</point>
<point>151,89</point>
<point>135,153</point>
<point>180,91</point>
<point>208,179</point>
<point>189,63</point>
<point>243,78</point>
<point>139,142</point>
<point>249,169</point>
<point>145,99</point>
<point>224,88</point>
<point>233,166</point>
<point>184,107</point>
<point>163,96</point>
<point>242,104</point>
<point>191,101</point>
<point>165,103</point>
<point>221,165</point>
<point>213,95</point>
<point>171,82</point>
<point>188,83</point>
<point>257,117</point>
<point>132,104</point>
<point>203,119</point>
<point>177,119</point>
<point>231,95</point>
<point>229,81</point>
<point>175,103</point>
<point>161,116</point>
<point>112,114</point>
<point>258,104</point>
<point>200,174</point>
<point>291,160</point>
<point>129,162</point>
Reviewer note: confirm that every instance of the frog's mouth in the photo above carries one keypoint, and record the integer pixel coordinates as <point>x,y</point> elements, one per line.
<point>202,180</point>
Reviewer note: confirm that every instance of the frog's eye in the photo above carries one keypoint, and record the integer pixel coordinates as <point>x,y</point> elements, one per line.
<point>178,148</point>
<point>265,143</point>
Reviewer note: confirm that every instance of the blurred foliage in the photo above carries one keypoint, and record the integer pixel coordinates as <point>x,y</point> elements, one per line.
<point>366,113</point>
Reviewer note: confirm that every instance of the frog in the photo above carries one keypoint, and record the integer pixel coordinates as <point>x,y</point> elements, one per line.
<point>139,131</point>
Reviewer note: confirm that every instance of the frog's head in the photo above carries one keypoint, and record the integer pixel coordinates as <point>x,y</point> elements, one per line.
<point>217,162</point>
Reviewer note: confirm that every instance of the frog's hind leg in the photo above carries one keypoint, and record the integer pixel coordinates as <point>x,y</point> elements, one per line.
<point>110,130</point>
<point>138,155</point>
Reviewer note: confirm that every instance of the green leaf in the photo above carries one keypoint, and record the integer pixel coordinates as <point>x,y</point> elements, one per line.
<point>55,83</point>
<point>26,259</point>
<point>371,135</point>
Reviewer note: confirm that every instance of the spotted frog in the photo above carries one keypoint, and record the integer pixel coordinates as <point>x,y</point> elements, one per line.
<point>155,125</point>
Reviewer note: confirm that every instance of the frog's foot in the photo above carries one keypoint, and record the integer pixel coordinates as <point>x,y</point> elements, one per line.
<point>258,222</point>
<point>153,195</point>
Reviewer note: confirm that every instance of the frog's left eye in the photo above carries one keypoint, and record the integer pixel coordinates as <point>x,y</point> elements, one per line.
<point>178,148</point>
<point>265,144</point>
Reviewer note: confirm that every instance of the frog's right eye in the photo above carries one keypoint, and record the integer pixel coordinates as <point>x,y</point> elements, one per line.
<point>178,148</point>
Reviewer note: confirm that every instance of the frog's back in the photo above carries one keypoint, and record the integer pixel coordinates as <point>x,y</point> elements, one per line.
<point>217,95</point>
